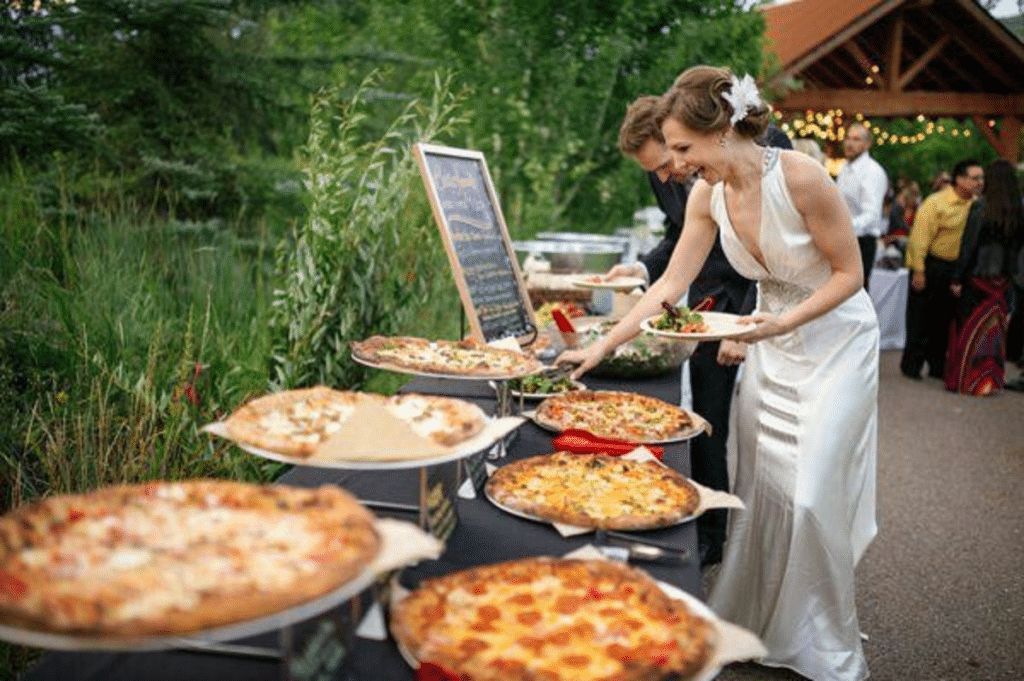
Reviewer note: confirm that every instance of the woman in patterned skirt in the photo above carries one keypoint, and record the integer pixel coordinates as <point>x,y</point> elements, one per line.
<point>990,255</point>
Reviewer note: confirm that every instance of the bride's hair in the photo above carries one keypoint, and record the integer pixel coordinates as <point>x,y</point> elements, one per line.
<point>695,100</point>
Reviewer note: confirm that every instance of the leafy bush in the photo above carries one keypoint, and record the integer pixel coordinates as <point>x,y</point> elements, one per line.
<point>366,259</point>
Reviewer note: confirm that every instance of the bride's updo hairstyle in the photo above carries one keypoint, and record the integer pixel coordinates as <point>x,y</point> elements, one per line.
<point>696,100</point>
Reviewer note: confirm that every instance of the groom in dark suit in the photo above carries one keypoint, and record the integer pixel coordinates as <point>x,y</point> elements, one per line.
<point>713,365</point>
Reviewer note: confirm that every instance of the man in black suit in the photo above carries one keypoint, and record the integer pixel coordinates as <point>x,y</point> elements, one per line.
<point>713,365</point>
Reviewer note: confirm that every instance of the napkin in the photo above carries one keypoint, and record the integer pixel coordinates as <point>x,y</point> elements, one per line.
<point>506,343</point>
<point>565,328</point>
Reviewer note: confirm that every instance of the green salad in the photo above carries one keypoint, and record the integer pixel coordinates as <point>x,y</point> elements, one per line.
<point>540,384</point>
<point>680,319</point>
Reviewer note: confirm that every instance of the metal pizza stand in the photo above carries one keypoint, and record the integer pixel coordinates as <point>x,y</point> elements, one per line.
<point>372,440</point>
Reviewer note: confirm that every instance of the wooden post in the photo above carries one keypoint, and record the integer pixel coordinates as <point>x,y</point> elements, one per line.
<point>1010,138</point>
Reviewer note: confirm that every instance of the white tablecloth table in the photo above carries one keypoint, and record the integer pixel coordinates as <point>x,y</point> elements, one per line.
<point>888,290</point>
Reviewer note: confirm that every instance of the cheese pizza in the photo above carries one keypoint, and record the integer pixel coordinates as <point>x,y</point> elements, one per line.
<point>170,558</point>
<point>595,491</point>
<point>613,414</point>
<point>296,422</point>
<point>546,619</point>
<point>466,358</point>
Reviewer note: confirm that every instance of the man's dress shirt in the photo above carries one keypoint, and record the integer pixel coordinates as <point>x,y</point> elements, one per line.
<point>863,184</point>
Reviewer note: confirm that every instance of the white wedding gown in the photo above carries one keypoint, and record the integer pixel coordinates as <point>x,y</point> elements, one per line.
<point>806,442</point>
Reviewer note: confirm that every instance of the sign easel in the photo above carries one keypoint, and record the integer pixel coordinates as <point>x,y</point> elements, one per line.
<point>477,242</point>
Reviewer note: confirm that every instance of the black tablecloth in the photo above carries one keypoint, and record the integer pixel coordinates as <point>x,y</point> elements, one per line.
<point>484,534</point>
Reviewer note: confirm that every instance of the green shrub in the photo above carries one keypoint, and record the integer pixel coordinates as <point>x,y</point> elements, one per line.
<point>368,258</point>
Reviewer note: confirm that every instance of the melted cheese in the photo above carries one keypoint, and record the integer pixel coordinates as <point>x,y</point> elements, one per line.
<point>567,627</point>
<point>166,555</point>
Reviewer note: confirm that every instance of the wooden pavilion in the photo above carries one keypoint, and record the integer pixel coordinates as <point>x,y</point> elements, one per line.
<point>898,58</point>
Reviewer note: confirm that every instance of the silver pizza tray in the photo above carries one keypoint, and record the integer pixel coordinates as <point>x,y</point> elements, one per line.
<point>493,432</point>
<point>525,371</point>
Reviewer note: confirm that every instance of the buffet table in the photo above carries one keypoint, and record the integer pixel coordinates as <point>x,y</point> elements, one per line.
<point>484,534</point>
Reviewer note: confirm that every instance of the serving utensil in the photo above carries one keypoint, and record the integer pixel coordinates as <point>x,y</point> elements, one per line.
<point>624,547</point>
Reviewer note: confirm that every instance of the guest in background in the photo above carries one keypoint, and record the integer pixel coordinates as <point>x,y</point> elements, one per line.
<point>863,184</point>
<point>1015,331</point>
<point>902,211</point>
<point>941,180</point>
<point>992,240</point>
<point>811,148</point>
<point>932,250</point>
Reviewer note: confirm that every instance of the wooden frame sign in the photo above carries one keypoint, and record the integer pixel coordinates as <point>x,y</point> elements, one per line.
<point>477,242</point>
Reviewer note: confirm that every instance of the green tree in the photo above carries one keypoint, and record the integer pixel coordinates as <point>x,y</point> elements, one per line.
<point>551,80</point>
<point>36,119</point>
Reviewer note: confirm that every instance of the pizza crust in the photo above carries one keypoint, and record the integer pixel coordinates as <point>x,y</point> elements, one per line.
<point>317,421</point>
<point>619,415</point>
<point>552,619</point>
<point>595,491</point>
<point>168,559</point>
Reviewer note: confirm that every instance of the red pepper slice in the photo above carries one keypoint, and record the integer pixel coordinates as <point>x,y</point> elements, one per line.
<point>584,442</point>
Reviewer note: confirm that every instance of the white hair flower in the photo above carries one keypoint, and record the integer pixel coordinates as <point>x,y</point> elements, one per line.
<point>743,97</point>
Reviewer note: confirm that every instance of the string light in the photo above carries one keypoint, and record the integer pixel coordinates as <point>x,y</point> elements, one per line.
<point>828,126</point>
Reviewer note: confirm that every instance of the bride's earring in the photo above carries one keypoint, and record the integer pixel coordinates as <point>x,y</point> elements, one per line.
<point>721,141</point>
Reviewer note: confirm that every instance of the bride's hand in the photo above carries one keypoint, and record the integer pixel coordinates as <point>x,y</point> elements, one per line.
<point>731,353</point>
<point>768,325</point>
<point>587,358</point>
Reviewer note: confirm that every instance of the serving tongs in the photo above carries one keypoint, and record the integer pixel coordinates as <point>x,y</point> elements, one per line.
<point>582,441</point>
<point>565,328</point>
<point>625,547</point>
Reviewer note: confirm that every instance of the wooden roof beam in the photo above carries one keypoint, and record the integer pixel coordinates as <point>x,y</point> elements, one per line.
<point>847,34</point>
<point>1007,142</point>
<point>842,67</point>
<point>991,66</point>
<point>1005,36</point>
<point>905,104</point>
<point>922,62</point>
<point>858,54</point>
<point>948,64</point>
<point>892,71</point>
<point>981,124</point>
<point>1010,135</point>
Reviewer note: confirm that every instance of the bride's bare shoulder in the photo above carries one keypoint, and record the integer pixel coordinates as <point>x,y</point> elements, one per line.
<point>804,175</point>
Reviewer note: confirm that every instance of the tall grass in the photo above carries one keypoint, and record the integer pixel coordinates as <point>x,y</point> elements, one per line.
<point>122,331</point>
<point>156,328</point>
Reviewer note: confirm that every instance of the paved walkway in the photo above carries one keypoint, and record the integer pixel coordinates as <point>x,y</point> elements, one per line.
<point>940,592</point>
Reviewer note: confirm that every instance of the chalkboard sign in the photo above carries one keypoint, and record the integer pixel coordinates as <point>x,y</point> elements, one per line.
<point>477,242</point>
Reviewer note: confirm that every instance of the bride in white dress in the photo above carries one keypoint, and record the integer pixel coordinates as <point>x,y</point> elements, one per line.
<point>807,407</point>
